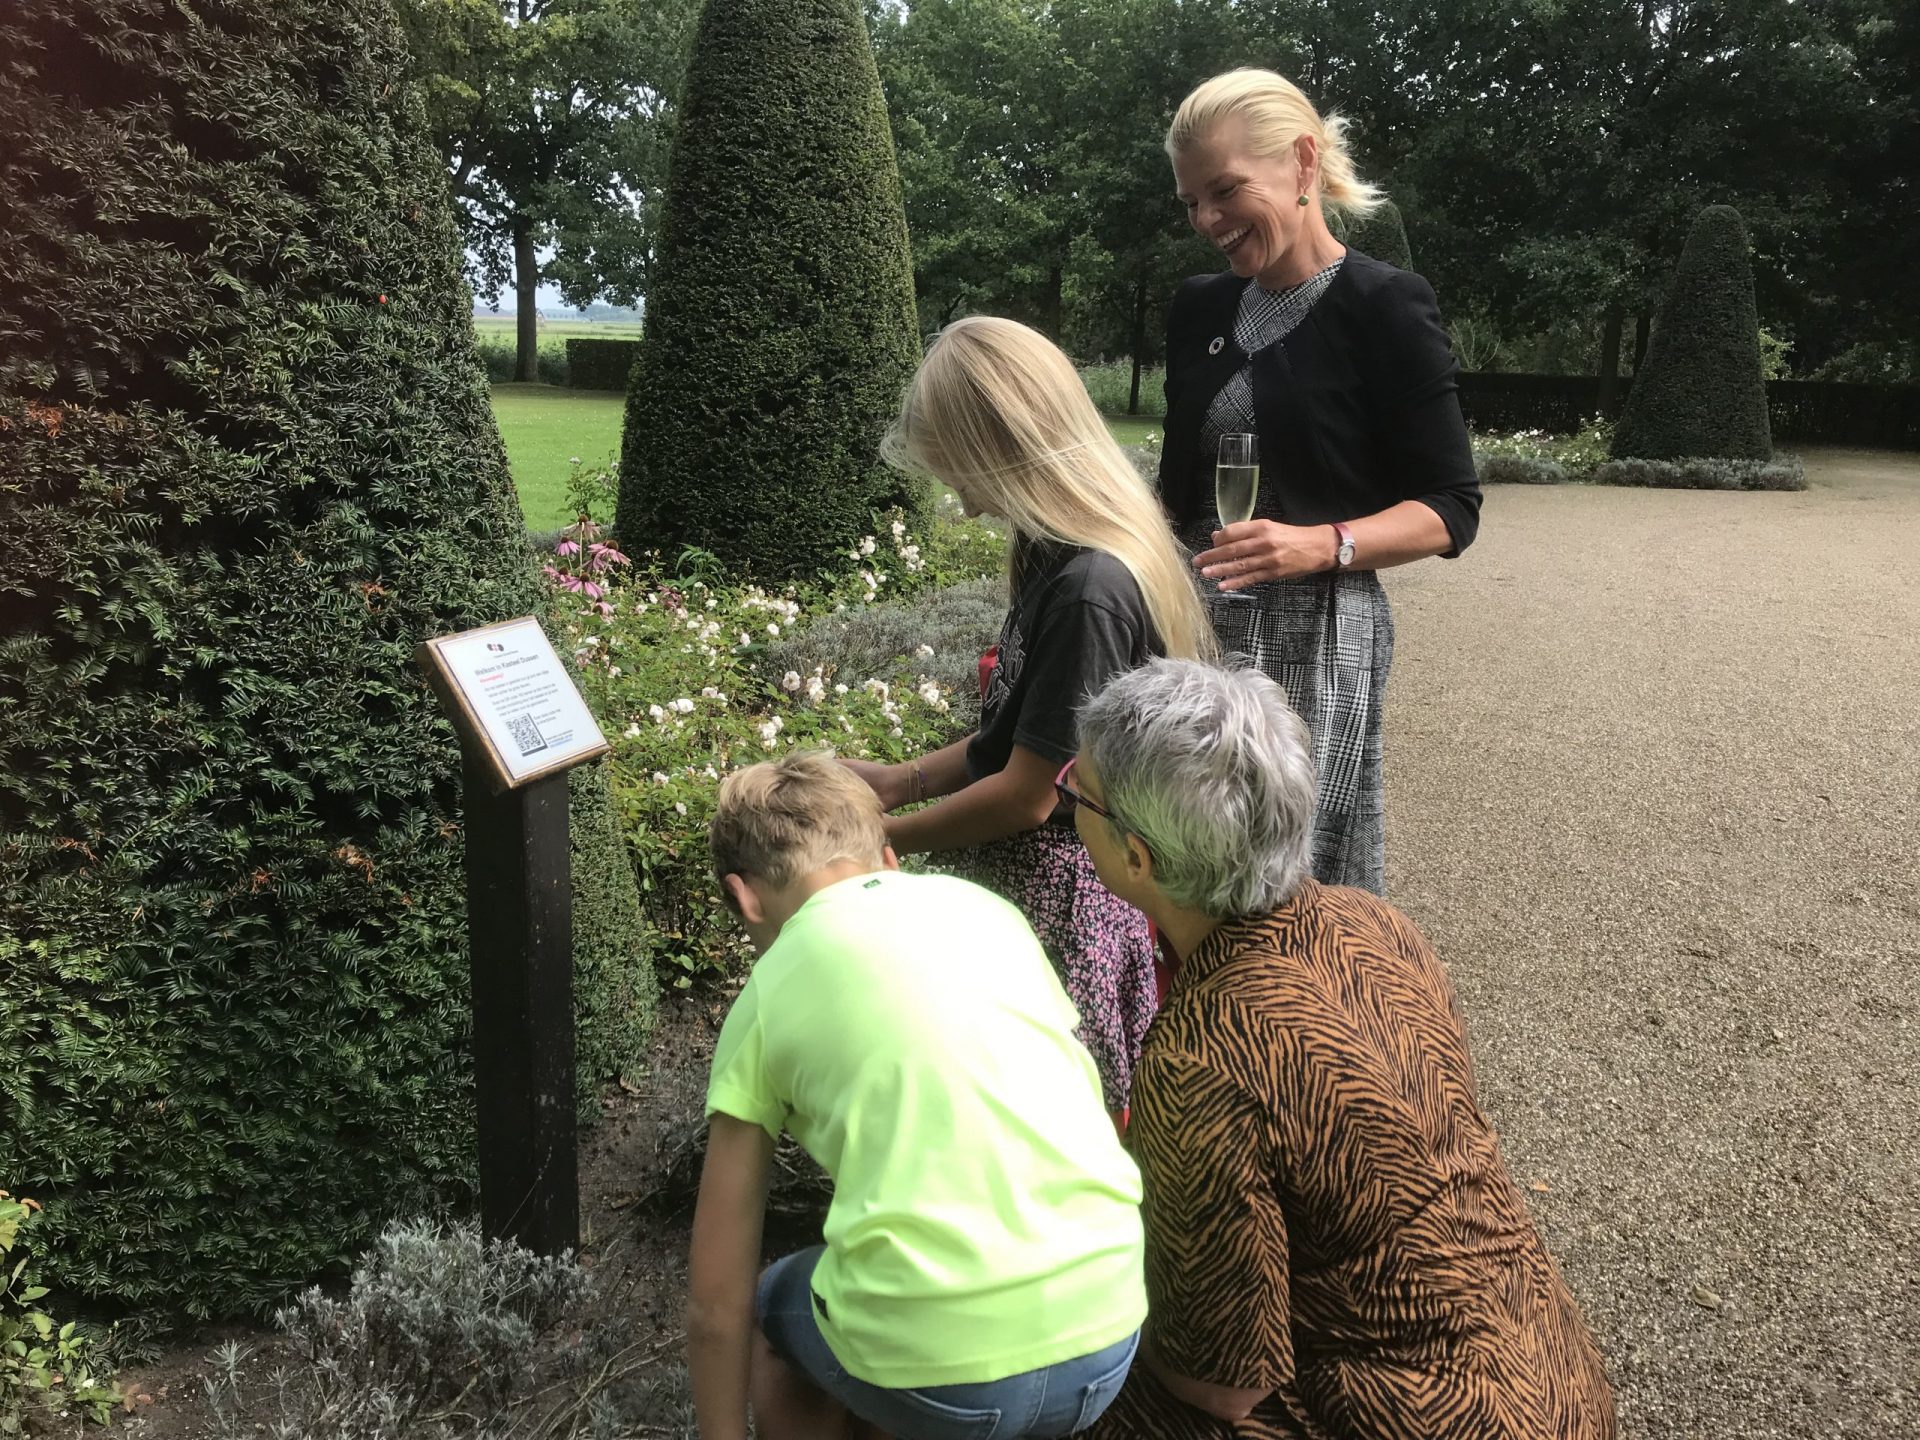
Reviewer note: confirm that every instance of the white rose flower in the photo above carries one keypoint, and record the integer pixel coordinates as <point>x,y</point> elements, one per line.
<point>631,731</point>
<point>659,777</point>
<point>683,705</point>
<point>773,629</point>
<point>816,690</point>
<point>656,712</point>
<point>841,688</point>
<point>867,546</point>
<point>790,682</point>
<point>930,692</point>
<point>712,603</point>
<point>613,670</point>
<point>899,529</point>
<point>877,687</point>
<point>923,652</point>
<point>679,807</point>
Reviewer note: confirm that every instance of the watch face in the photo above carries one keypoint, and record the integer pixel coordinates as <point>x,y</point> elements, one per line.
<point>1346,552</point>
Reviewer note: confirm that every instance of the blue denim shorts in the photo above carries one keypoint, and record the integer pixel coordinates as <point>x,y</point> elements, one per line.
<point>1057,1400</point>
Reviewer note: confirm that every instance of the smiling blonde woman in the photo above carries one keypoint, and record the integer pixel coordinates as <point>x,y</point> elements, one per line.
<point>1337,364</point>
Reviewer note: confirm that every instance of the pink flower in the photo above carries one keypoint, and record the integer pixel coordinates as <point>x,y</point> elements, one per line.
<point>594,592</point>
<point>604,608</point>
<point>567,547</point>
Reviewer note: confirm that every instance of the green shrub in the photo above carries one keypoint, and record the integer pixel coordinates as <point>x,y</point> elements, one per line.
<point>600,364</point>
<point>1706,473</point>
<point>246,464</point>
<point>47,1371</point>
<point>1383,235</point>
<point>944,632</point>
<point>1111,384</point>
<point>780,324</point>
<point>1699,392</point>
<point>499,355</point>
<point>1519,470</point>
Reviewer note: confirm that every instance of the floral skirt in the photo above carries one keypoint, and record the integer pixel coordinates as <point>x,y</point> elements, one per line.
<point>1099,944</point>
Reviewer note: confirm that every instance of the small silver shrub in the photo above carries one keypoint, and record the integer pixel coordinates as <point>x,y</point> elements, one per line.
<point>433,1337</point>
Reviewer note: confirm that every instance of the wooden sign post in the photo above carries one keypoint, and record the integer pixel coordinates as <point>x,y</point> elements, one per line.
<point>522,726</point>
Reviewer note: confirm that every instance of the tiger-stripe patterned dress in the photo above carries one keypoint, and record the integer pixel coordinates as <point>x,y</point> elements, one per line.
<point>1327,1210</point>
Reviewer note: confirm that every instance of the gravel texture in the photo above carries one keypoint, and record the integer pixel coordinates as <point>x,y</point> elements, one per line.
<point>1653,788</point>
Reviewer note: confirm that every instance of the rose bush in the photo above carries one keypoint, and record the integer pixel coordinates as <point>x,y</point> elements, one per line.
<point>674,660</point>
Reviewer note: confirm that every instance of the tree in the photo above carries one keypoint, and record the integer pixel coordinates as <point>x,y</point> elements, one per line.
<point>1129,63</point>
<point>555,118</point>
<point>1700,394</point>
<point>980,96</point>
<point>246,465</point>
<point>780,330</point>
<point>1383,235</point>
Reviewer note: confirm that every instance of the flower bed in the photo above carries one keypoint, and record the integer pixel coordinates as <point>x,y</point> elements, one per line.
<point>1534,457</point>
<point>692,674</point>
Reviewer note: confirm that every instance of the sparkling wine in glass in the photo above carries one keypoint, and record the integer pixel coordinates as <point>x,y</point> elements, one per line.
<point>1236,479</point>
<point>1236,485</point>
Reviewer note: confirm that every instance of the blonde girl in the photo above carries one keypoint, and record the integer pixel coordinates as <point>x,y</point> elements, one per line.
<point>1097,585</point>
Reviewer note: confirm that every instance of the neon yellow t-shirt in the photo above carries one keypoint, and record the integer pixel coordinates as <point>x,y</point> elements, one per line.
<point>910,1032</point>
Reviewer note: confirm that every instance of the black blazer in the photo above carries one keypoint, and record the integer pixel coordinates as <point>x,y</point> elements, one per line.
<point>1357,409</point>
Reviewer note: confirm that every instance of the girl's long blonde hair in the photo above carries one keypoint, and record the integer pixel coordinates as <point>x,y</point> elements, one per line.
<point>998,410</point>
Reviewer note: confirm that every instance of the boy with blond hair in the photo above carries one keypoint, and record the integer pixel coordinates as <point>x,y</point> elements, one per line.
<point>982,1271</point>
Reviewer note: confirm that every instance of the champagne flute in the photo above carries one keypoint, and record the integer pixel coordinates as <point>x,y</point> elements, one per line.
<point>1236,486</point>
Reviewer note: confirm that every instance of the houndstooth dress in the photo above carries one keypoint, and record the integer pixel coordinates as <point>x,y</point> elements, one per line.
<point>1327,638</point>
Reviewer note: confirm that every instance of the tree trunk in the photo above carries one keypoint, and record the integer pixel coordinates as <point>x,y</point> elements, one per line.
<point>526,289</point>
<point>1642,329</point>
<point>1610,361</point>
<point>1138,343</point>
<point>1052,303</point>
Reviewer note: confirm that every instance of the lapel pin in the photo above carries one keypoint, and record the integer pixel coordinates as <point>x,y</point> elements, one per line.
<point>1219,344</point>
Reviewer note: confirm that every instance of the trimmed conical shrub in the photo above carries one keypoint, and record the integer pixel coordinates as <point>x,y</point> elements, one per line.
<point>246,464</point>
<point>1383,235</point>
<point>780,325</point>
<point>1699,394</point>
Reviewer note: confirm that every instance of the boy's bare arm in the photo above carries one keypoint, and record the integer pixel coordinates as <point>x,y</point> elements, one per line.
<point>722,1270</point>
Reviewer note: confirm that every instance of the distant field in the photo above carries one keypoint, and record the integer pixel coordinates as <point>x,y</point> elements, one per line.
<point>544,426</point>
<point>503,326</point>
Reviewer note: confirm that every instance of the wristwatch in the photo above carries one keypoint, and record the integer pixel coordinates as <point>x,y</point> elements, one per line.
<point>1343,557</point>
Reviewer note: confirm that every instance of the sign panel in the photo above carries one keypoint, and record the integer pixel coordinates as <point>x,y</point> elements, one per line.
<point>511,695</point>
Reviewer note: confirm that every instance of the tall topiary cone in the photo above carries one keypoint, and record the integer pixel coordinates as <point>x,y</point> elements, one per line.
<point>1699,393</point>
<point>780,326</point>
<point>1383,235</point>
<point>246,464</point>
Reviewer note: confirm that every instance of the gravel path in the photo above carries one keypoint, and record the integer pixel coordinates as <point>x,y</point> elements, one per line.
<point>1654,792</point>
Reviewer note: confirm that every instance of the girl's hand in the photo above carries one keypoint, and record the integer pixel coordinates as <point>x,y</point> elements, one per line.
<point>1256,550</point>
<point>889,782</point>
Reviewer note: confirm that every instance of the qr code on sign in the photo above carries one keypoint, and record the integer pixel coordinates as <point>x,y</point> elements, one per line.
<point>526,734</point>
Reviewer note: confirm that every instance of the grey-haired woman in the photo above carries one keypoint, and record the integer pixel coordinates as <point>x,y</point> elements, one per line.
<point>1334,1245</point>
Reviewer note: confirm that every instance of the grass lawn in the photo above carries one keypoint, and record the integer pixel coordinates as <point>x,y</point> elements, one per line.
<point>544,426</point>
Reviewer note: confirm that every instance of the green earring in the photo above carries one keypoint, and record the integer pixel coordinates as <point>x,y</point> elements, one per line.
<point>1303,199</point>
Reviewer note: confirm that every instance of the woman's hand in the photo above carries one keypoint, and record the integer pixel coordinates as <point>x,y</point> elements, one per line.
<point>889,782</point>
<point>1253,551</point>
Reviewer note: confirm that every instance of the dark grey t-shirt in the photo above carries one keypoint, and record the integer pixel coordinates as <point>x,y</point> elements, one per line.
<point>1078,621</point>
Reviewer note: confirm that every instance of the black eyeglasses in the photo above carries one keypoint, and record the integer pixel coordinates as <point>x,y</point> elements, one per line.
<point>1071,797</point>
